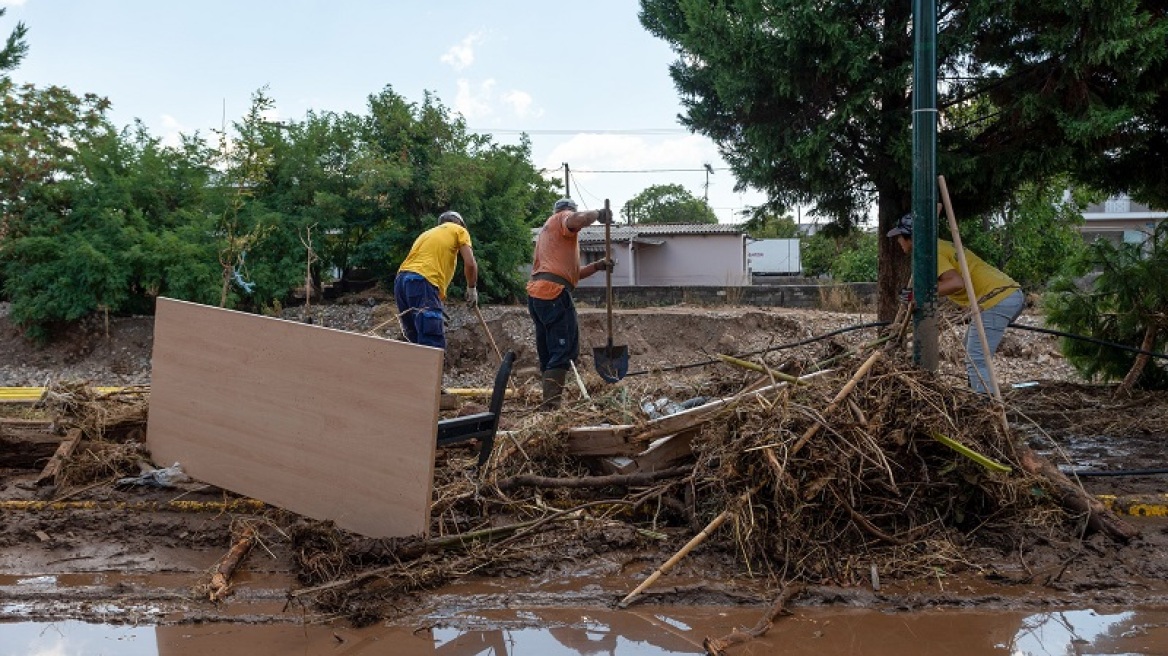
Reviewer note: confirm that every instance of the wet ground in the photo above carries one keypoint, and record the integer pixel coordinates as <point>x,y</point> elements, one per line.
<point>114,578</point>
<point>647,631</point>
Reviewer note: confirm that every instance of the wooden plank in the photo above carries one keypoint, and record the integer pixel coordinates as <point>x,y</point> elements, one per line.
<point>328,424</point>
<point>66,448</point>
<point>629,439</point>
<point>662,454</point>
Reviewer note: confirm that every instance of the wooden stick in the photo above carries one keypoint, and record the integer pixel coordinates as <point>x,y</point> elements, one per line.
<point>969,291</point>
<point>483,322</point>
<point>718,646</point>
<point>689,546</point>
<point>53,468</point>
<point>220,584</point>
<point>528,480</point>
<point>843,394</point>
<point>761,368</point>
<point>580,381</point>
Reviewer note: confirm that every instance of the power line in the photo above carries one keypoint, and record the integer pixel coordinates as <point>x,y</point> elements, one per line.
<point>648,131</point>
<point>701,170</point>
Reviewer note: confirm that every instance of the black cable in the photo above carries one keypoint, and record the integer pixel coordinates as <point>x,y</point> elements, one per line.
<point>1103,342</point>
<point>1118,472</point>
<point>781,347</point>
<point>878,324</point>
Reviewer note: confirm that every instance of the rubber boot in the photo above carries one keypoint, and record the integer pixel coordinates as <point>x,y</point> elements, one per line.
<point>553,388</point>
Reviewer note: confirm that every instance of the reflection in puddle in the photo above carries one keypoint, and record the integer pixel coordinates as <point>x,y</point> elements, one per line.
<point>637,632</point>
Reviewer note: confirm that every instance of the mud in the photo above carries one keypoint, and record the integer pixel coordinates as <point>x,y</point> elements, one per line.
<point>117,565</point>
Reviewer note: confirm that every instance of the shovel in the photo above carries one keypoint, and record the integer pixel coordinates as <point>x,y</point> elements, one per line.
<point>612,362</point>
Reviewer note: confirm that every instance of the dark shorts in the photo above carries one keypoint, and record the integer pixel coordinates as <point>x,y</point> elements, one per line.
<point>419,309</point>
<point>557,331</point>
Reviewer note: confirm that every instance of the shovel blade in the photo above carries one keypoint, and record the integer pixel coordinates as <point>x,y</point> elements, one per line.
<point>612,362</point>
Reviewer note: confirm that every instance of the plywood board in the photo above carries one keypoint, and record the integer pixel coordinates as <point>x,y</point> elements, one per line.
<point>328,424</point>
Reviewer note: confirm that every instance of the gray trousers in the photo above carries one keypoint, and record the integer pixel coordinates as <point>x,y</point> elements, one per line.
<point>995,321</point>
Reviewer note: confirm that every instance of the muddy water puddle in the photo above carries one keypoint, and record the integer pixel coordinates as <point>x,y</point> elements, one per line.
<point>643,631</point>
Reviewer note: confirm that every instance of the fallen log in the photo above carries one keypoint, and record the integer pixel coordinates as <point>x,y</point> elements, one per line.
<point>718,646</point>
<point>27,449</point>
<point>220,585</point>
<point>1074,498</point>
<point>642,478</point>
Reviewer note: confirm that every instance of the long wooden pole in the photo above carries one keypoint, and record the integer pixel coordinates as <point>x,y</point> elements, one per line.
<point>969,291</point>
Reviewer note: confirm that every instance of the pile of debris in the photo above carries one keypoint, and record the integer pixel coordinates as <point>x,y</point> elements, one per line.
<point>873,468</point>
<point>841,467</point>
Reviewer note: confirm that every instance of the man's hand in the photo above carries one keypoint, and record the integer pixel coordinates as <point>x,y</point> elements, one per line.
<point>906,295</point>
<point>472,297</point>
<point>604,264</point>
<point>604,216</point>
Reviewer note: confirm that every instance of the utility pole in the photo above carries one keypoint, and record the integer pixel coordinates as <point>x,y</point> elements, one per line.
<point>567,187</point>
<point>924,183</point>
<point>709,172</point>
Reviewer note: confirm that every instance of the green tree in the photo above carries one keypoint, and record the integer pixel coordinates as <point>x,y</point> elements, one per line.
<point>1036,237</point>
<point>15,48</point>
<point>857,262</point>
<point>810,102</point>
<point>668,203</point>
<point>846,254</point>
<point>1126,303</point>
<point>764,222</point>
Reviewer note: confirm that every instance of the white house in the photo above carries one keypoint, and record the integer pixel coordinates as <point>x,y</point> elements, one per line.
<point>680,255</point>
<point>1120,219</point>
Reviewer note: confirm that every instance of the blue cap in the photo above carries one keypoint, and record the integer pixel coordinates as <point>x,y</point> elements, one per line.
<point>564,204</point>
<point>903,227</point>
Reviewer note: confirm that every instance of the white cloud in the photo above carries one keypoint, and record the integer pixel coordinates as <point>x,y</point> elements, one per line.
<point>473,103</point>
<point>520,103</point>
<point>461,55</point>
<point>171,128</point>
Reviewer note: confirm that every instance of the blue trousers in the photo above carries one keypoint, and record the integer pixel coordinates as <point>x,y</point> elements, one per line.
<point>995,321</point>
<point>557,331</point>
<point>419,309</point>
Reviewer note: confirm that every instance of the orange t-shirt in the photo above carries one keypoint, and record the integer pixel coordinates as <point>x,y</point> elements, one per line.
<point>556,252</point>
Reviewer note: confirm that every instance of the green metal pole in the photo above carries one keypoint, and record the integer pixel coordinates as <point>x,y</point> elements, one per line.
<point>924,184</point>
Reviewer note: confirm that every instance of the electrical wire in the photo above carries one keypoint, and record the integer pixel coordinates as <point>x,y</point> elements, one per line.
<point>878,324</point>
<point>1093,340</point>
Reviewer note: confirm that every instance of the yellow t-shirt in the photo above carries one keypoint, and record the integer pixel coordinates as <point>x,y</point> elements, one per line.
<point>985,278</point>
<point>435,254</point>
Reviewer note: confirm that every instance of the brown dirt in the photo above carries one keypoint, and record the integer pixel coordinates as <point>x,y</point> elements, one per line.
<point>161,556</point>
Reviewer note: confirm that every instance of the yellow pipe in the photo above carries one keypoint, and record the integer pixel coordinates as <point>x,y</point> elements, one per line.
<point>34,394</point>
<point>1140,505</point>
<point>179,505</point>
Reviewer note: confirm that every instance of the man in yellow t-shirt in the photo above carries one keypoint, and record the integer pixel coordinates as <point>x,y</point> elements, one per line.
<point>998,296</point>
<point>554,274</point>
<point>420,286</point>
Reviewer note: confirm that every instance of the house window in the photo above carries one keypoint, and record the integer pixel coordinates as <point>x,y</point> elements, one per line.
<point>1117,205</point>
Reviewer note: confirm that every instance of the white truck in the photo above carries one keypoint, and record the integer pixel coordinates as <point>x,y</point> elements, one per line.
<point>773,257</point>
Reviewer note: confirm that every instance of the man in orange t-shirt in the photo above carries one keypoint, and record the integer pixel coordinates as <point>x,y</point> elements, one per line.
<point>555,272</point>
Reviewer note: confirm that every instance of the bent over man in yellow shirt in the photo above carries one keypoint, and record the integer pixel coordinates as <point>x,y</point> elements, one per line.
<point>420,286</point>
<point>998,296</point>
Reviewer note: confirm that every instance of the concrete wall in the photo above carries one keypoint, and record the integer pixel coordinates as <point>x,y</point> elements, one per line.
<point>683,260</point>
<point>844,296</point>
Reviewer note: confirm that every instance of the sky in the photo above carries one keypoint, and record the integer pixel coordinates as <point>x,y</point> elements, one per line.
<point>585,80</point>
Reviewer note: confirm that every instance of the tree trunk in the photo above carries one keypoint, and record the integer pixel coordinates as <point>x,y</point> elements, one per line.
<point>894,266</point>
<point>1137,368</point>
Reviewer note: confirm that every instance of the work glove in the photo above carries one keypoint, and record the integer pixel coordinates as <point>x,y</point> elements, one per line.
<point>605,264</point>
<point>472,297</point>
<point>906,295</point>
<point>604,216</point>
